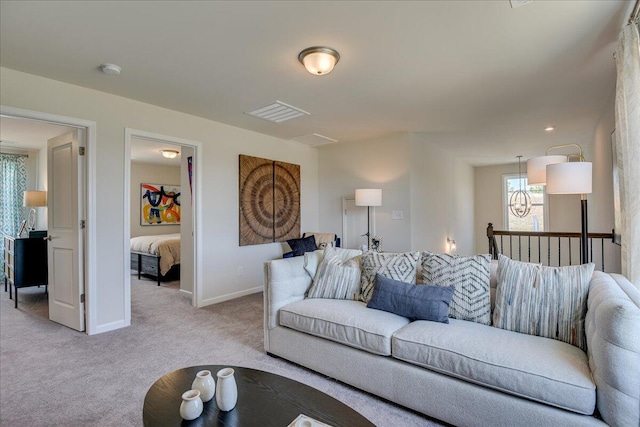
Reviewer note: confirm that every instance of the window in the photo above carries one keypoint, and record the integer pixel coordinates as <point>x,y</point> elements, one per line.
<point>536,220</point>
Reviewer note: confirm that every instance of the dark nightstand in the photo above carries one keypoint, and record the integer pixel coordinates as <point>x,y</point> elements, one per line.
<point>25,263</point>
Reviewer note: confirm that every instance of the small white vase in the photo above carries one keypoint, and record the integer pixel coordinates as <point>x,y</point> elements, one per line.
<point>226,390</point>
<point>206,384</point>
<point>191,406</point>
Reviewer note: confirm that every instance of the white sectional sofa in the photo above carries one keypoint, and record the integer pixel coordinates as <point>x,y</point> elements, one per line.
<point>465,373</point>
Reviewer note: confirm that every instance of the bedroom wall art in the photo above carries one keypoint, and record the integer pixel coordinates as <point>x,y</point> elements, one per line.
<point>269,201</point>
<point>159,204</point>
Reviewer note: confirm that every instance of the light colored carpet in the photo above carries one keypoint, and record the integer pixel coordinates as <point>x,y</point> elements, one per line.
<point>51,375</point>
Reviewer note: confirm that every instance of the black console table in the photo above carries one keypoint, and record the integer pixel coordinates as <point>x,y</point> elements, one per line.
<point>25,263</point>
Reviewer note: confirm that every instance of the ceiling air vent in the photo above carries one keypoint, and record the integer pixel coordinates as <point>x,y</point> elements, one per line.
<point>314,140</point>
<point>278,112</point>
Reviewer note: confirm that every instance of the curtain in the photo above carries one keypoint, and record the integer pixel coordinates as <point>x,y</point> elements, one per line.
<point>13,183</point>
<point>628,147</point>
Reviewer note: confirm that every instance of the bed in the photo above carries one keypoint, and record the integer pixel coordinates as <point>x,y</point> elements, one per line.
<point>156,256</point>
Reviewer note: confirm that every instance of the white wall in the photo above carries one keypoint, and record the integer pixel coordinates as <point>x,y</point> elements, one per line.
<point>442,198</point>
<point>221,145</point>
<point>151,174</point>
<point>431,187</point>
<point>380,163</point>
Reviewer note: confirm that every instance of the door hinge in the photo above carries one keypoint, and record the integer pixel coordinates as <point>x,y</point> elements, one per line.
<point>81,151</point>
<point>81,297</point>
<point>82,224</point>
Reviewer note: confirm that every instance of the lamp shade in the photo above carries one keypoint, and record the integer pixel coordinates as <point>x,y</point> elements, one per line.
<point>537,168</point>
<point>369,197</point>
<point>569,178</point>
<point>34,198</point>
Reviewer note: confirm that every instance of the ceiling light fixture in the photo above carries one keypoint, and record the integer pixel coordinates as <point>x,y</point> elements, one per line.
<point>319,60</point>
<point>111,69</point>
<point>550,128</point>
<point>169,154</point>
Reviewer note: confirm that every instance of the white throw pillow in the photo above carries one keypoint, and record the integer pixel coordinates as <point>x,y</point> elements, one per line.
<point>469,275</point>
<point>549,302</point>
<point>336,277</point>
<point>397,266</point>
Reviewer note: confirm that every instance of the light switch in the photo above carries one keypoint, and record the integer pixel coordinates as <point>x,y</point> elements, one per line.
<point>397,214</point>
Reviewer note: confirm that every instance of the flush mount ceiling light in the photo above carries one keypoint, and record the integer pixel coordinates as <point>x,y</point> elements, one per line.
<point>319,60</point>
<point>550,128</point>
<point>111,69</point>
<point>169,154</point>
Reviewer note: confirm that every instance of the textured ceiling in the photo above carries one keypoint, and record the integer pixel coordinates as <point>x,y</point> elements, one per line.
<point>478,77</point>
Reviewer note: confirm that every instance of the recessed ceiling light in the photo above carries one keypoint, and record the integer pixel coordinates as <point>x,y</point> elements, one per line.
<point>111,69</point>
<point>169,154</point>
<point>550,128</point>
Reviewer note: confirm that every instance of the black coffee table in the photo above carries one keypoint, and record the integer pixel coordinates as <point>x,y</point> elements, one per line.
<point>264,399</point>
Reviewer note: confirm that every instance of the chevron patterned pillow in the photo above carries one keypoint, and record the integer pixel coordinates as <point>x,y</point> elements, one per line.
<point>396,266</point>
<point>469,275</point>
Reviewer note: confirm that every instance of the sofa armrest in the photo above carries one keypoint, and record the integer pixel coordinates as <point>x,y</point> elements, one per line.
<point>285,281</point>
<point>612,327</point>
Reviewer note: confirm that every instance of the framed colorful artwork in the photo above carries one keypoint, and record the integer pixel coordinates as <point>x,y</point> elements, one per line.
<point>159,204</point>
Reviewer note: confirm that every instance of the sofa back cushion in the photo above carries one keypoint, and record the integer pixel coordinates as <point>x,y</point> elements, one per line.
<point>397,266</point>
<point>470,277</point>
<point>549,302</point>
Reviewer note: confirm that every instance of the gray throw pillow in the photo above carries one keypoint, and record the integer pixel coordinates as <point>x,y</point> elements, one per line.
<point>415,302</point>
<point>336,278</point>
<point>549,302</point>
<point>470,275</point>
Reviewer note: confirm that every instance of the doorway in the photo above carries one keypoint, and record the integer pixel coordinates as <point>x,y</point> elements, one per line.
<point>354,224</point>
<point>183,169</point>
<point>83,277</point>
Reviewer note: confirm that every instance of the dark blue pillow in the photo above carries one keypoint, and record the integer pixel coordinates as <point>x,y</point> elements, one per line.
<point>416,302</point>
<point>300,246</point>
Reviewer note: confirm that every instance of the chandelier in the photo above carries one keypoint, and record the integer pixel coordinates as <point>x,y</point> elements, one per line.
<point>520,200</point>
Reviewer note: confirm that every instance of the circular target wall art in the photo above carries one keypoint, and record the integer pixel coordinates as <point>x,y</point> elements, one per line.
<point>269,201</point>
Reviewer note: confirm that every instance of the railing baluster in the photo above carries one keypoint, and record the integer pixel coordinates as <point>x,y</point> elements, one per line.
<point>539,249</point>
<point>559,254</point>
<point>569,250</point>
<point>529,244</point>
<point>519,248</point>
<point>602,253</point>
<point>549,250</point>
<point>510,248</point>
<point>591,250</point>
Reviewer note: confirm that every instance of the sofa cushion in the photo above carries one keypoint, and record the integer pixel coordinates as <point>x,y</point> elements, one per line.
<point>422,302</point>
<point>397,266</point>
<point>470,277</point>
<point>336,278</point>
<point>345,321</point>
<point>536,368</point>
<point>545,301</point>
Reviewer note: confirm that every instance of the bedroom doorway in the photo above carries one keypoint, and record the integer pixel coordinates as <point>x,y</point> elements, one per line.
<point>160,216</point>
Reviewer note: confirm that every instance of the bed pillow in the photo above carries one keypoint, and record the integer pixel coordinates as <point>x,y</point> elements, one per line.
<point>415,302</point>
<point>336,278</point>
<point>300,246</point>
<point>397,266</point>
<point>471,278</point>
<point>549,302</point>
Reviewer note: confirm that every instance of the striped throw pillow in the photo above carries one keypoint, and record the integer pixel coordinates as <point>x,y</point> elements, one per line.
<point>549,302</point>
<point>470,277</point>
<point>336,277</point>
<point>396,266</point>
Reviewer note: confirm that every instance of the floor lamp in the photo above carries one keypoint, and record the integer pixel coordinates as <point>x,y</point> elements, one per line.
<point>563,176</point>
<point>368,197</point>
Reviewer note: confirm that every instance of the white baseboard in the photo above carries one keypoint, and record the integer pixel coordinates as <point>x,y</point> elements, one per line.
<point>186,292</point>
<point>231,296</point>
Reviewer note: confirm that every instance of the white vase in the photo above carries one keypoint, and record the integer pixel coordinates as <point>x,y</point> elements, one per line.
<point>226,390</point>
<point>191,406</point>
<point>206,384</point>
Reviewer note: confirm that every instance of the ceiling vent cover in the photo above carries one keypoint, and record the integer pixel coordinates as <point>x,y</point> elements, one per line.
<point>278,112</point>
<point>314,140</point>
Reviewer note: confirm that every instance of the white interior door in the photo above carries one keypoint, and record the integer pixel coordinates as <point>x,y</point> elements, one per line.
<point>65,239</point>
<point>354,224</point>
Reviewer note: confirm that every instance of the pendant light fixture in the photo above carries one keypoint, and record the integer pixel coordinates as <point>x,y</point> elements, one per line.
<point>319,60</point>
<point>520,200</point>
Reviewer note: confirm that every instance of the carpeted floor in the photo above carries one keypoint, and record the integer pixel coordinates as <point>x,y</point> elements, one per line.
<point>51,375</point>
